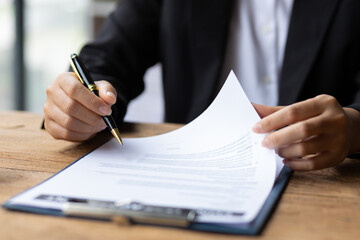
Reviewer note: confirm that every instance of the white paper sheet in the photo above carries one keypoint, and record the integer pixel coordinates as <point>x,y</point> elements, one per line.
<point>214,163</point>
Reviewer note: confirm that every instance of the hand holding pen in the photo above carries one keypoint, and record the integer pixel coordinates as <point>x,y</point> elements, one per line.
<point>86,79</point>
<point>74,113</point>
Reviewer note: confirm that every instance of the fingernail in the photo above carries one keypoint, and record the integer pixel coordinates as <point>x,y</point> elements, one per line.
<point>105,111</point>
<point>111,94</point>
<point>102,124</point>
<point>285,162</point>
<point>265,143</point>
<point>100,128</point>
<point>257,128</point>
<point>103,127</point>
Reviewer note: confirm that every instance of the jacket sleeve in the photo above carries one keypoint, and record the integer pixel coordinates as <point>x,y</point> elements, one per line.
<point>126,45</point>
<point>356,103</point>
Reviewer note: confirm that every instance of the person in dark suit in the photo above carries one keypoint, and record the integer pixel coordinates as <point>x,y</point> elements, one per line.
<point>317,86</point>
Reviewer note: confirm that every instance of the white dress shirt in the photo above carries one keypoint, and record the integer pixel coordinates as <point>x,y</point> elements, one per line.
<point>256,45</point>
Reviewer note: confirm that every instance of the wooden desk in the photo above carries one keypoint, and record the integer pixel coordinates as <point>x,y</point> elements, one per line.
<point>316,205</point>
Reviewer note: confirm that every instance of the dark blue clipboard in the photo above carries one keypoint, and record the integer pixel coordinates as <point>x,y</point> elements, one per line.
<point>253,228</point>
<point>257,225</point>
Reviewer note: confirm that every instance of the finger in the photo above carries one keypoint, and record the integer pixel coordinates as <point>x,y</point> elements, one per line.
<point>294,133</point>
<point>311,146</point>
<point>71,123</point>
<point>264,110</point>
<point>73,108</point>
<point>316,162</point>
<point>58,132</point>
<point>75,90</point>
<point>290,115</point>
<point>107,92</point>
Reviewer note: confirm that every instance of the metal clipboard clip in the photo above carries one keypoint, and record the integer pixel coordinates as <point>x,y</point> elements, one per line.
<point>129,212</point>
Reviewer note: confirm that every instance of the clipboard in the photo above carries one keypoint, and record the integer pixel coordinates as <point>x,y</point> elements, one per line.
<point>231,138</point>
<point>180,218</point>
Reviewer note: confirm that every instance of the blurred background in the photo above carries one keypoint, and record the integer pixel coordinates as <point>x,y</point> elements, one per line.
<point>36,39</point>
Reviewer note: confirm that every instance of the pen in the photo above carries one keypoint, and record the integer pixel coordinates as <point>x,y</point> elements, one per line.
<point>84,76</point>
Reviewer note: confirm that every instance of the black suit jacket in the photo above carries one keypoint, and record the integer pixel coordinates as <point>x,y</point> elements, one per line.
<point>189,37</point>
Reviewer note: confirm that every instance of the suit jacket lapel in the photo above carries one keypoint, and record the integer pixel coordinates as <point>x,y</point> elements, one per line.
<point>308,25</point>
<point>208,31</point>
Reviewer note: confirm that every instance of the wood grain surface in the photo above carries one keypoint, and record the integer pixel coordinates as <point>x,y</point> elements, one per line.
<point>316,205</point>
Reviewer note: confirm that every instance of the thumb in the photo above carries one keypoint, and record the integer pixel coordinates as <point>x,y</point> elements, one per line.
<point>106,92</point>
<point>264,110</point>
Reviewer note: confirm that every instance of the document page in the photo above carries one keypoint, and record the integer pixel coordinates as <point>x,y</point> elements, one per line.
<point>214,164</point>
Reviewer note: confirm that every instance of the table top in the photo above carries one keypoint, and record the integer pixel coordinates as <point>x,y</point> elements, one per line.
<point>321,204</point>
